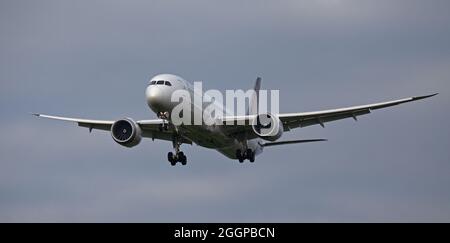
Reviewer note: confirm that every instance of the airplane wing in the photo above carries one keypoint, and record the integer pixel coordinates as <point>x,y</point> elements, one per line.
<point>291,142</point>
<point>91,124</point>
<point>294,120</point>
<point>150,128</point>
<point>304,119</point>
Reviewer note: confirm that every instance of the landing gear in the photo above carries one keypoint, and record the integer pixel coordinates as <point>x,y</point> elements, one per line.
<point>164,116</point>
<point>182,158</point>
<point>164,127</point>
<point>171,159</point>
<point>248,154</point>
<point>178,156</point>
<point>239,156</point>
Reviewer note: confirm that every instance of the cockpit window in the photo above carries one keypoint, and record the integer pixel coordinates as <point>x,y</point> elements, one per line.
<point>168,83</point>
<point>152,82</point>
<point>160,82</point>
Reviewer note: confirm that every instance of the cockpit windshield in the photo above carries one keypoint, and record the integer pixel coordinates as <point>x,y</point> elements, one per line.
<point>160,82</point>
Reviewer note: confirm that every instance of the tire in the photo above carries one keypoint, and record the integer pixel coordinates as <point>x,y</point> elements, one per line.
<point>252,157</point>
<point>182,158</point>
<point>239,155</point>
<point>170,157</point>
<point>248,154</point>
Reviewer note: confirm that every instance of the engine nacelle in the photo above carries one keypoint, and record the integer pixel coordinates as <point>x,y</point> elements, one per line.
<point>126,132</point>
<point>268,127</point>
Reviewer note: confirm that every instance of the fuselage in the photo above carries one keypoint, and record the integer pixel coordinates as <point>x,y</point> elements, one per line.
<point>158,95</point>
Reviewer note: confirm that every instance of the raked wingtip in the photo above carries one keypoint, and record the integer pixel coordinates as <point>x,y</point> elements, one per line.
<point>424,96</point>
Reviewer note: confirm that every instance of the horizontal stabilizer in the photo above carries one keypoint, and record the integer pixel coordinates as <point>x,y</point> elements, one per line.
<point>292,142</point>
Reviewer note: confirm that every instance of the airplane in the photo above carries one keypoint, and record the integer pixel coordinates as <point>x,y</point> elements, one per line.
<point>237,142</point>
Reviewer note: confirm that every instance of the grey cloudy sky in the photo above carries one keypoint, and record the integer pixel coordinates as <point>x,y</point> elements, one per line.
<point>93,59</point>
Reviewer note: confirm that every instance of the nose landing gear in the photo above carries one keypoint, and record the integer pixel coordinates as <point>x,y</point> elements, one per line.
<point>164,127</point>
<point>164,116</point>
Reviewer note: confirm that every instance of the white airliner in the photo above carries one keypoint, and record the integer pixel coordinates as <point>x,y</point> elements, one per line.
<point>234,141</point>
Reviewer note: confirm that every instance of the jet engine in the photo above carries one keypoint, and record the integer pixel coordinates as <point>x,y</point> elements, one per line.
<point>268,127</point>
<point>126,132</point>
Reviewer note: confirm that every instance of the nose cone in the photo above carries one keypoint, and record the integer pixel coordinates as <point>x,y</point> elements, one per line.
<point>157,98</point>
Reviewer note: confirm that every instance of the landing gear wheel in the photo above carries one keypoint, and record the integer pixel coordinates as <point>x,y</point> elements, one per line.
<point>249,155</point>
<point>239,156</point>
<point>171,159</point>
<point>182,158</point>
<point>252,157</point>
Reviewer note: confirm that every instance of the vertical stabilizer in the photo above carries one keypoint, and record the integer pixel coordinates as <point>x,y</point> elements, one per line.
<point>254,101</point>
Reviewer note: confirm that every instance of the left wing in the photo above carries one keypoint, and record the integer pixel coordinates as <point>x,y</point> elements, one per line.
<point>150,128</point>
<point>294,120</point>
<point>291,142</point>
<point>303,119</point>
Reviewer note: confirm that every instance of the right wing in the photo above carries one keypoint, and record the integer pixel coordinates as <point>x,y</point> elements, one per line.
<point>91,124</point>
<point>150,128</point>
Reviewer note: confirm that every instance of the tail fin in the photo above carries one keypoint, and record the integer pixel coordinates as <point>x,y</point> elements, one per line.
<point>254,102</point>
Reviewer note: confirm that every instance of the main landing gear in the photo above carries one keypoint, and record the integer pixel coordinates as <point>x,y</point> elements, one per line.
<point>178,156</point>
<point>248,154</point>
